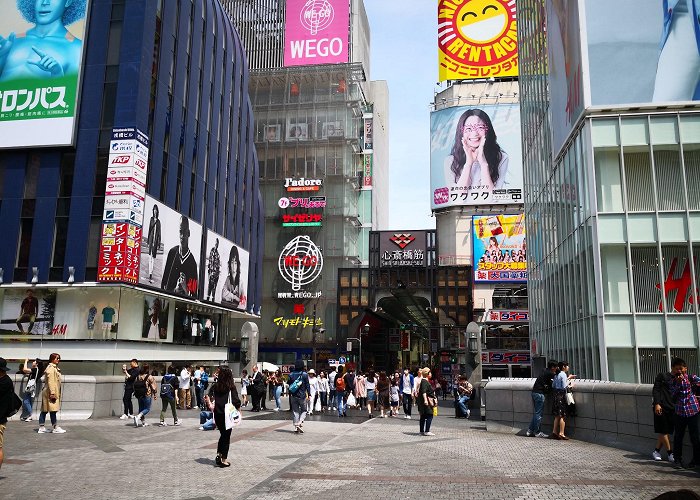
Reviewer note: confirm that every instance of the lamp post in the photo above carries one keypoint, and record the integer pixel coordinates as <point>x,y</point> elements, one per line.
<point>365,331</point>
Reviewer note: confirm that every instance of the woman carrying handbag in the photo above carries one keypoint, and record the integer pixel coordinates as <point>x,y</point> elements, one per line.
<point>426,402</point>
<point>223,392</point>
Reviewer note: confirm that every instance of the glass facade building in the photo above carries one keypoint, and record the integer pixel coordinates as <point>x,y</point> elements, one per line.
<point>311,124</point>
<point>613,227</point>
<point>177,72</point>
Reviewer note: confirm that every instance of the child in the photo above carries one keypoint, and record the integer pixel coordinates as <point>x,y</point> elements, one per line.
<point>394,396</point>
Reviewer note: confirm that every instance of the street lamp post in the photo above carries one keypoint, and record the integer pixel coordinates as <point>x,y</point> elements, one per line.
<point>365,331</point>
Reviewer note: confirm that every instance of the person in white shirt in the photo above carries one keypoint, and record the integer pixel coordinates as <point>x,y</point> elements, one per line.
<point>331,385</point>
<point>323,389</point>
<point>407,386</point>
<point>416,383</point>
<point>371,386</point>
<point>184,390</point>
<point>314,388</point>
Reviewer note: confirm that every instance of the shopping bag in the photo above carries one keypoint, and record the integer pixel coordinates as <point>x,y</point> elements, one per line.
<point>317,406</point>
<point>231,415</point>
<point>570,399</point>
<point>351,400</point>
<point>435,411</point>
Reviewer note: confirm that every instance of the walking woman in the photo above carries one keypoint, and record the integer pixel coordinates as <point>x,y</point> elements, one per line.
<point>323,388</point>
<point>299,394</point>
<point>371,385</point>
<point>426,401</point>
<point>145,390</point>
<point>313,394</point>
<point>51,395</point>
<point>559,408</point>
<point>360,391</point>
<point>245,381</point>
<point>222,392</point>
<point>276,380</point>
<point>384,389</point>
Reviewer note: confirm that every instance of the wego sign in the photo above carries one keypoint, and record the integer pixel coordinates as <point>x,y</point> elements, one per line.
<point>300,262</point>
<point>316,32</point>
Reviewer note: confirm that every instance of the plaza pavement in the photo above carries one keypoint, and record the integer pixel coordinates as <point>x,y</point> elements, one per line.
<point>335,458</point>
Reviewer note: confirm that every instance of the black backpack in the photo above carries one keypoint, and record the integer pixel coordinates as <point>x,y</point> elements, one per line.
<point>140,388</point>
<point>167,390</point>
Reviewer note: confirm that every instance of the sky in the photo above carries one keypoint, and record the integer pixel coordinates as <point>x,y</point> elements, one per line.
<point>403,43</point>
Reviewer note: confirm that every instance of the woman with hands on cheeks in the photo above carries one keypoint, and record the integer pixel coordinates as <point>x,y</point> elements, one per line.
<point>476,162</point>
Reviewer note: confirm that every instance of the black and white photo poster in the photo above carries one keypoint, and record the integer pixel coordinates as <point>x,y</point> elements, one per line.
<point>226,273</point>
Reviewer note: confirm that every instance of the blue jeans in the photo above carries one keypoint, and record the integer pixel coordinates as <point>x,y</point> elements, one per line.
<point>425,421</point>
<point>332,397</point>
<point>144,405</point>
<point>27,404</point>
<point>538,403</point>
<point>463,404</point>
<point>278,397</point>
<point>340,403</point>
<point>206,420</point>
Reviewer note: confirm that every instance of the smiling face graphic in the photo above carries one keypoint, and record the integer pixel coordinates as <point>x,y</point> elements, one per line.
<point>482,21</point>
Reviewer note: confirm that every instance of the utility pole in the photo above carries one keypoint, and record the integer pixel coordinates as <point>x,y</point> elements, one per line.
<point>314,330</point>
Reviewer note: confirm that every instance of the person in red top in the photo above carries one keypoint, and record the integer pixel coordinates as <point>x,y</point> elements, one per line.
<point>687,409</point>
<point>28,311</point>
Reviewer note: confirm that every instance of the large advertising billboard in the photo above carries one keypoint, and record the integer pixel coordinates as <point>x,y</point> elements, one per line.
<point>476,156</point>
<point>500,249</point>
<point>316,32</point>
<point>41,54</point>
<point>171,246</point>
<point>399,249</point>
<point>226,273</point>
<point>477,39</point>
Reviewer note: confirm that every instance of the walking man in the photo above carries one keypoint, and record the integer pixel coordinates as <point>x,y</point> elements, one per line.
<point>543,385</point>
<point>464,392</point>
<point>6,392</point>
<point>331,385</point>
<point>687,412</point>
<point>257,386</point>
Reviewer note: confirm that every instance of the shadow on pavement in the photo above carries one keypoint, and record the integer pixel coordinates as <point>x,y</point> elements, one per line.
<point>205,461</point>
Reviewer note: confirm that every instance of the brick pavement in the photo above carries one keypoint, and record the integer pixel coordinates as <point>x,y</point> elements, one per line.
<point>336,457</point>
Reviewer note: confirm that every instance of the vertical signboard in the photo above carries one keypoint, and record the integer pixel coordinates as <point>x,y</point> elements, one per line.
<point>368,133</point>
<point>367,170</point>
<point>41,54</point>
<point>500,249</point>
<point>316,32</point>
<point>122,217</point>
<point>476,156</point>
<point>477,39</point>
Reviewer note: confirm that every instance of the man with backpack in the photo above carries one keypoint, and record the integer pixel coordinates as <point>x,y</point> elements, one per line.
<point>340,393</point>
<point>168,395</point>
<point>145,392</point>
<point>299,395</point>
<point>543,386</point>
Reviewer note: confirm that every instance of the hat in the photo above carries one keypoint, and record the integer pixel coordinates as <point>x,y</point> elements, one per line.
<point>3,365</point>
<point>312,372</point>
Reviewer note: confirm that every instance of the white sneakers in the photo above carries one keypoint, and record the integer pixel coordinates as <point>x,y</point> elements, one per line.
<point>27,419</point>
<point>407,417</point>
<point>656,456</point>
<point>428,434</point>
<point>528,433</point>
<point>55,430</point>
<point>277,409</point>
<point>124,416</point>
<point>541,435</point>
<point>671,458</point>
<point>178,422</point>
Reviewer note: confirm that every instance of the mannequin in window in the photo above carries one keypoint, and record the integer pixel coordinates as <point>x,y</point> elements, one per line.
<point>107,317</point>
<point>92,314</point>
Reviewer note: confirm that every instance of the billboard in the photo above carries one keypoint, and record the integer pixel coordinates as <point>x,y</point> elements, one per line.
<point>402,249</point>
<point>226,272</point>
<point>500,249</point>
<point>565,68</point>
<point>477,39</point>
<point>41,56</point>
<point>476,156</point>
<point>316,32</point>
<point>171,246</point>
<point>651,51</point>
<point>28,312</point>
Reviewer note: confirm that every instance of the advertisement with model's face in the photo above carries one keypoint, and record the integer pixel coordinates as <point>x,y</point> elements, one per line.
<point>41,53</point>
<point>475,156</point>
<point>316,32</point>
<point>155,318</point>
<point>500,250</point>
<point>28,312</point>
<point>226,276</point>
<point>170,250</point>
<point>642,51</point>
<point>565,68</point>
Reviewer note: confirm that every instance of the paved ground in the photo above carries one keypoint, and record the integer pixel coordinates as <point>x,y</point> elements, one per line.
<point>335,458</point>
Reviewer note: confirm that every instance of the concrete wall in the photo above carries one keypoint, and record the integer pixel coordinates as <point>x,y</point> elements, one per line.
<point>610,413</point>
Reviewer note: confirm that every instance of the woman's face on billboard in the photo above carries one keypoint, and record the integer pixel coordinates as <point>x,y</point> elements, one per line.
<point>474,130</point>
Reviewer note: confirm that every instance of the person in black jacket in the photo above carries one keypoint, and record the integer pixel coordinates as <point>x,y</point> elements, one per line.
<point>543,385</point>
<point>220,392</point>
<point>130,375</point>
<point>7,391</point>
<point>257,388</point>
<point>663,414</point>
<point>299,396</point>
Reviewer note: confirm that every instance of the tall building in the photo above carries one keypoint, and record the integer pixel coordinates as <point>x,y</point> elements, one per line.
<point>320,129</point>
<point>129,199</point>
<point>611,138</point>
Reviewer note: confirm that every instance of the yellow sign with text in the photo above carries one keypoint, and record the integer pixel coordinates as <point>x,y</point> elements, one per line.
<point>477,39</point>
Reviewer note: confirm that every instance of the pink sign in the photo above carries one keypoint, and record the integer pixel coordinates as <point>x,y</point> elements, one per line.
<point>316,32</point>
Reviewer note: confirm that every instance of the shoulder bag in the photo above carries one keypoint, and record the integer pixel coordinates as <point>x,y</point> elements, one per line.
<point>231,414</point>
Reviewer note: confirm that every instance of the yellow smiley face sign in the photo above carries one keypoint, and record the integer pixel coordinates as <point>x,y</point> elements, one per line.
<point>477,39</point>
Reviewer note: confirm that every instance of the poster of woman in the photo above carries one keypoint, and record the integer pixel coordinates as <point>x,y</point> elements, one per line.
<point>155,318</point>
<point>226,276</point>
<point>475,156</point>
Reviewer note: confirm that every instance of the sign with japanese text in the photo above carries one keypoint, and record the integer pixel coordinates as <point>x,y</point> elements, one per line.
<point>298,321</point>
<point>497,316</point>
<point>500,249</point>
<point>506,358</point>
<point>316,32</point>
<point>476,156</point>
<point>310,202</point>
<point>300,263</point>
<point>41,59</point>
<point>477,39</point>
<point>402,249</point>
<point>125,191</point>
<point>367,170</point>
<point>368,133</point>
<point>297,220</point>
